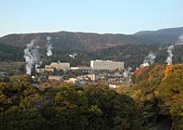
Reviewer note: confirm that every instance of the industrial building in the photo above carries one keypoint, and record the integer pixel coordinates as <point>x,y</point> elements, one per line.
<point>106,65</point>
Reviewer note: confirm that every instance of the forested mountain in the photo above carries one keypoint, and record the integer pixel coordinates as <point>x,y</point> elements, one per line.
<point>71,41</point>
<point>10,53</point>
<point>169,31</point>
<point>129,48</point>
<point>94,41</point>
<point>163,36</point>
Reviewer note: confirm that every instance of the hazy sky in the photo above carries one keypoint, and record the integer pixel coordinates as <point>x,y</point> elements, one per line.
<point>100,16</point>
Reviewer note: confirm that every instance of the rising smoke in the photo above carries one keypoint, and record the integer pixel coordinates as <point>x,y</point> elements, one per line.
<point>180,40</point>
<point>170,55</point>
<point>31,56</point>
<point>127,75</point>
<point>73,56</point>
<point>149,60</point>
<point>49,46</point>
<point>127,72</point>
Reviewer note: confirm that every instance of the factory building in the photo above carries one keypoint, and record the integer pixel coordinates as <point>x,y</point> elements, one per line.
<point>106,65</point>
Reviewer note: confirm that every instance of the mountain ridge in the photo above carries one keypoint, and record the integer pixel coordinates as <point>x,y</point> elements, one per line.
<point>178,30</point>
<point>94,41</point>
<point>129,48</point>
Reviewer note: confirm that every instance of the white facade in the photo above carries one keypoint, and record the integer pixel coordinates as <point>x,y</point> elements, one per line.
<point>81,68</point>
<point>106,65</point>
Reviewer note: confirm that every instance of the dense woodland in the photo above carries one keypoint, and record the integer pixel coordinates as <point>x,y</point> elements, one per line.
<point>160,89</point>
<point>155,96</point>
<point>65,107</point>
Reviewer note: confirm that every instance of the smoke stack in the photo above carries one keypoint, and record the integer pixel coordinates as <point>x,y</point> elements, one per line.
<point>149,60</point>
<point>170,55</point>
<point>49,46</point>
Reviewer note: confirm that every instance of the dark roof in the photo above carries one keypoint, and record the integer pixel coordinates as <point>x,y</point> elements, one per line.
<point>3,73</point>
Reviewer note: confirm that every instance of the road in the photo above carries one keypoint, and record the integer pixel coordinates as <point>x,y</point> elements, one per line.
<point>164,125</point>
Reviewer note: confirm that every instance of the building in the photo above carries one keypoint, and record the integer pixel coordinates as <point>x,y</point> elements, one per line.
<point>106,65</point>
<point>92,77</point>
<point>71,80</point>
<point>40,70</point>
<point>58,66</point>
<point>3,74</point>
<point>82,68</point>
<point>54,77</point>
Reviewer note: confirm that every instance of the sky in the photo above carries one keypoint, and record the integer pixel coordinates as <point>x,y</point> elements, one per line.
<point>97,16</point>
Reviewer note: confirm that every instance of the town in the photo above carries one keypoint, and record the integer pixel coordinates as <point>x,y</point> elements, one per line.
<point>111,73</point>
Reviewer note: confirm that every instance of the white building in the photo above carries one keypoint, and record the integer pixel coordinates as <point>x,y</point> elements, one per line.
<point>106,65</point>
<point>82,68</point>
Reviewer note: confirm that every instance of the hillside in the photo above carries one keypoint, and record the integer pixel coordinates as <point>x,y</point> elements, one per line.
<point>169,31</point>
<point>71,41</point>
<point>129,48</point>
<point>159,87</point>
<point>94,41</point>
<point>10,53</point>
<point>164,36</point>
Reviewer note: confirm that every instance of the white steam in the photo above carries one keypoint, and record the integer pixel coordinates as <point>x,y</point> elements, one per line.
<point>49,46</point>
<point>180,40</point>
<point>31,56</point>
<point>149,60</point>
<point>127,72</point>
<point>127,75</point>
<point>73,56</point>
<point>170,55</point>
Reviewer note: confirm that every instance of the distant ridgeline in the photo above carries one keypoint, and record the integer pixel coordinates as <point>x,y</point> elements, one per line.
<point>131,49</point>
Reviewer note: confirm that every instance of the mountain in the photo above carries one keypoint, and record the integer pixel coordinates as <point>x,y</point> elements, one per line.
<point>169,31</point>
<point>71,41</point>
<point>10,53</point>
<point>129,48</point>
<point>94,41</point>
<point>164,36</point>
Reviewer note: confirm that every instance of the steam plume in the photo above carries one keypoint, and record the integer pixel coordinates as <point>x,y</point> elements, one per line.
<point>170,55</point>
<point>149,60</point>
<point>127,72</point>
<point>31,56</point>
<point>49,46</point>
<point>180,40</point>
<point>73,56</point>
<point>127,75</point>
